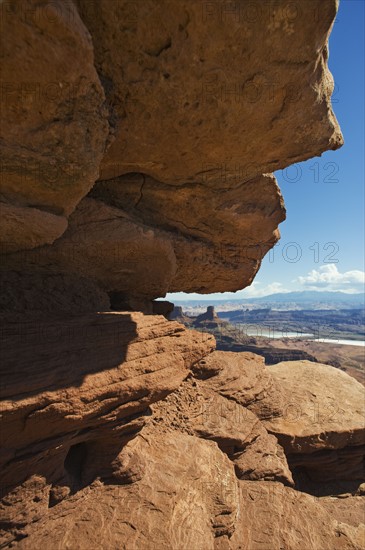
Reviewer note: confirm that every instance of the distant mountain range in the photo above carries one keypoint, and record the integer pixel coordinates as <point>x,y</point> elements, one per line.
<point>299,297</point>
<point>311,296</point>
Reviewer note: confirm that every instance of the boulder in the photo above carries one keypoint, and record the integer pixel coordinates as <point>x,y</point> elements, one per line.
<point>197,410</point>
<point>322,428</point>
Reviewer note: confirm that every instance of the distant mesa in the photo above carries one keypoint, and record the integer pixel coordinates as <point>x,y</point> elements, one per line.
<point>209,319</point>
<point>178,315</point>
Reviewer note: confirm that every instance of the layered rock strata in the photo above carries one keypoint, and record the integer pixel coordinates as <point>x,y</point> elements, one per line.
<point>74,391</point>
<point>196,470</point>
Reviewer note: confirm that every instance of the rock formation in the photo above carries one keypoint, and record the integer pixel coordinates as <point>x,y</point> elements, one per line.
<point>198,471</point>
<point>322,429</point>
<point>271,353</point>
<point>178,315</point>
<point>138,144</point>
<point>195,409</point>
<point>68,411</point>
<point>209,319</point>
<point>243,378</point>
<point>155,111</point>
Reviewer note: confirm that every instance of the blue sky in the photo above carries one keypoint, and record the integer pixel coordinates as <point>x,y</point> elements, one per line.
<point>324,196</point>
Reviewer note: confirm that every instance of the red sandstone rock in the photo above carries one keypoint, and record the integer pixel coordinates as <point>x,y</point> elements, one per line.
<point>243,378</point>
<point>75,390</point>
<point>322,428</point>
<point>186,497</point>
<point>185,201</point>
<point>196,409</point>
<point>53,120</point>
<point>186,178</point>
<point>276,517</point>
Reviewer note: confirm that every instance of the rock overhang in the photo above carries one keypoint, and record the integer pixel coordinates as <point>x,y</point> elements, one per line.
<point>182,133</point>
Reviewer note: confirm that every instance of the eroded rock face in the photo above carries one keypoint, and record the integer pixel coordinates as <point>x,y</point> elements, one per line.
<point>115,237</point>
<point>199,504</point>
<point>218,235</point>
<point>235,104</point>
<point>196,502</point>
<point>74,390</point>
<point>243,378</point>
<point>53,120</point>
<point>176,472</point>
<point>315,411</point>
<point>276,517</point>
<point>196,409</point>
<point>34,294</point>
<point>346,510</point>
<point>139,138</point>
<point>195,127</point>
<point>104,244</point>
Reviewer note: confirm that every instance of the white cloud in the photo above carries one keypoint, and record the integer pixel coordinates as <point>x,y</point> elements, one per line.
<point>327,277</point>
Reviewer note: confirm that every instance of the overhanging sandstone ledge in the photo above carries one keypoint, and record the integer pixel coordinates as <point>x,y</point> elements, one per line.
<point>232,92</point>
<point>53,120</point>
<point>152,241</point>
<point>180,133</point>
